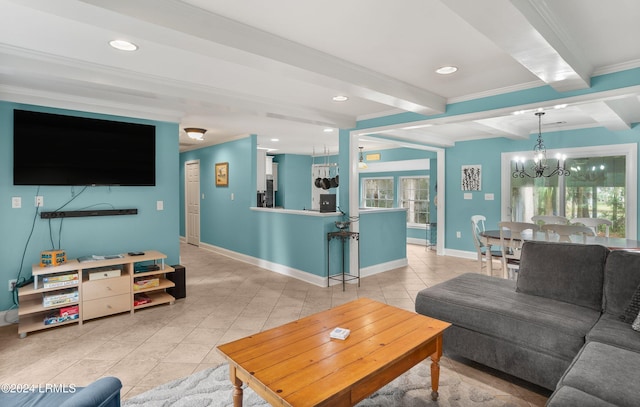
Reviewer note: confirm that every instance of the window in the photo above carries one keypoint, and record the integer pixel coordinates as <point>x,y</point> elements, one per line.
<point>415,198</point>
<point>596,188</point>
<point>378,192</point>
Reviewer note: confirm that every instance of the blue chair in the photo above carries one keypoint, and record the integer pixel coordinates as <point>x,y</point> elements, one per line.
<point>104,392</point>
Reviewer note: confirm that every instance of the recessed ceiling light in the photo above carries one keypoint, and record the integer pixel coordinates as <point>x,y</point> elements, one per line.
<point>340,98</point>
<point>275,139</point>
<point>446,70</point>
<point>123,45</point>
<point>328,130</point>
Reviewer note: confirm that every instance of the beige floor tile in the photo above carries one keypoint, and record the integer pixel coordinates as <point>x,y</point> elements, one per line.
<point>188,353</point>
<point>167,371</point>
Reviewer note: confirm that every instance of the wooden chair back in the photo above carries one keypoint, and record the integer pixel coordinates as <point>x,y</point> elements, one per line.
<point>512,244</point>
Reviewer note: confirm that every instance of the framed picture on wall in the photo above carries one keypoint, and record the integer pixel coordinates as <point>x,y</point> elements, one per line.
<point>471,177</point>
<point>222,174</point>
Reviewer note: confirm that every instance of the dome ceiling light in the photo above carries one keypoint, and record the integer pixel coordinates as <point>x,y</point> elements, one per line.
<point>195,133</point>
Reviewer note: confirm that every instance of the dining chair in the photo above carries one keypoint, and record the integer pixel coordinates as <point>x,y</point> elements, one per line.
<point>594,224</point>
<point>566,231</point>
<point>511,245</point>
<point>549,219</point>
<point>477,227</point>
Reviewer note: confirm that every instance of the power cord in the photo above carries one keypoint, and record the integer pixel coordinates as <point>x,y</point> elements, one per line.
<point>24,253</point>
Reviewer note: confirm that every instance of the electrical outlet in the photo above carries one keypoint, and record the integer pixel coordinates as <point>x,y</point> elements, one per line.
<point>458,235</point>
<point>160,205</point>
<point>16,202</point>
<point>12,285</point>
<point>39,201</point>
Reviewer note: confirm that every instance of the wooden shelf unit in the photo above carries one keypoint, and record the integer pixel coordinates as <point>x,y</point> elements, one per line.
<point>101,297</point>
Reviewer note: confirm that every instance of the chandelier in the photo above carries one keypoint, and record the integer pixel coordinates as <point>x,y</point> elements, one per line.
<point>540,168</point>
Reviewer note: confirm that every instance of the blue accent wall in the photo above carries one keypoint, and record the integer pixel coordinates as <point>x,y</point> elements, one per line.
<point>150,229</point>
<point>377,247</point>
<point>294,185</point>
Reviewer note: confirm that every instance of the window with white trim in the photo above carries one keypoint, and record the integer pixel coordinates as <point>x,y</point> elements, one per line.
<point>414,197</point>
<point>378,192</point>
<point>603,184</point>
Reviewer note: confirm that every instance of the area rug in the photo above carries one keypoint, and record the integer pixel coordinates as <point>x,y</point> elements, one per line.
<point>212,387</point>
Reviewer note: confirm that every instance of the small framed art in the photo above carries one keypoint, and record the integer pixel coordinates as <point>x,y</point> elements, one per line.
<point>222,174</point>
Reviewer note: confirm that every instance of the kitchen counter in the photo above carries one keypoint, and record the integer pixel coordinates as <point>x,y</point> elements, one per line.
<point>296,211</point>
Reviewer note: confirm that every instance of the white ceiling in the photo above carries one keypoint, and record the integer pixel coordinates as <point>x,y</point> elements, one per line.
<point>272,67</point>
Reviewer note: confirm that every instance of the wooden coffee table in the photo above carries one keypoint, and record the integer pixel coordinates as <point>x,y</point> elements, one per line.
<point>298,364</point>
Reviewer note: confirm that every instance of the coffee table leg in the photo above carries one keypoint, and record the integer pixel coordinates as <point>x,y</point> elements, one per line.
<point>237,387</point>
<point>435,369</point>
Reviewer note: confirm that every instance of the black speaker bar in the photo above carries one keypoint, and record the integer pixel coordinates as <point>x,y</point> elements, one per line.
<point>79,214</point>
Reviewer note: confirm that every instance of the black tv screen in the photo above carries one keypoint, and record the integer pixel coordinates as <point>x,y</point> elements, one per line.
<point>54,149</point>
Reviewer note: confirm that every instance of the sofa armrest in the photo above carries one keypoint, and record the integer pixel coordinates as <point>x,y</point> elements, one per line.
<point>104,392</point>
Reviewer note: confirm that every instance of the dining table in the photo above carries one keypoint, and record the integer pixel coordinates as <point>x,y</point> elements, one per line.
<point>492,238</point>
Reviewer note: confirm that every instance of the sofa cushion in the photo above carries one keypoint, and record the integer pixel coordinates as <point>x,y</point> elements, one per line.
<point>609,329</point>
<point>492,306</point>
<point>567,396</point>
<point>621,279</point>
<point>605,372</point>
<point>567,272</point>
<point>633,308</point>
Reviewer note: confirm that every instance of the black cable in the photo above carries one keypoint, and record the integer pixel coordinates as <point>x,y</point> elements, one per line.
<point>53,246</point>
<point>24,252</point>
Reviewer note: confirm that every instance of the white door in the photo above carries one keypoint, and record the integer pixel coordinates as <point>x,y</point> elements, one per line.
<point>193,202</point>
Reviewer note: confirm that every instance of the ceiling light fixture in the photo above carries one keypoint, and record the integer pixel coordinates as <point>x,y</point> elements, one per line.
<point>123,45</point>
<point>340,98</point>
<point>328,130</point>
<point>447,70</point>
<point>540,160</point>
<point>361,164</point>
<point>195,133</point>
<point>275,139</point>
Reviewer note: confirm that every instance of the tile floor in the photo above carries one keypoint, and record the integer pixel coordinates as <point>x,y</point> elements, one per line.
<point>226,299</point>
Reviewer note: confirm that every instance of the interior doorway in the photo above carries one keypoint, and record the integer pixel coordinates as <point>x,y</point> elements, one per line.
<point>192,196</point>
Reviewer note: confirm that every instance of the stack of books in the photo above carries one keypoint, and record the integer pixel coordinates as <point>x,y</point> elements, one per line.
<point>59,298</point>
<point>60,280</point>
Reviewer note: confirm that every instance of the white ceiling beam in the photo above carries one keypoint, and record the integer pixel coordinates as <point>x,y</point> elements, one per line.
<point>527,30</point>
<point>293,58</point>
<point>502,126</point>
<point>120,85</point>
<point>614,114</point>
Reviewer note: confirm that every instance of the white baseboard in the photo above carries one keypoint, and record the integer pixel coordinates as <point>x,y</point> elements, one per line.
<point>415,240</point>
<point>319,281</point>
<point>275,267</point>
<point>382,267</point>
<point>462,254</point>
<point>8,317</point>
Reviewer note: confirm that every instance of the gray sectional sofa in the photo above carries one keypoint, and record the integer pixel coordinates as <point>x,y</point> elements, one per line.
<point>559,325</point>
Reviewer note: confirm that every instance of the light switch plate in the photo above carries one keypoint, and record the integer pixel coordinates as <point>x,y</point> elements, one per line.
<point>160,205</point>
<point>488,197</point>
<point>468,195</point>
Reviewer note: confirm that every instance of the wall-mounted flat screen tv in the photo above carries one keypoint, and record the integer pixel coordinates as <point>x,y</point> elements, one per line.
<point>54,149</point>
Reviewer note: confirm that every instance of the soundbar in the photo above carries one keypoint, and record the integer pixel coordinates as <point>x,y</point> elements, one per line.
<point>79,214</point>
